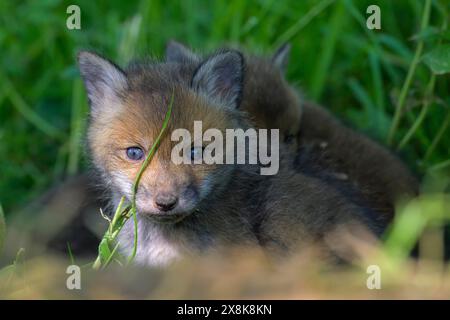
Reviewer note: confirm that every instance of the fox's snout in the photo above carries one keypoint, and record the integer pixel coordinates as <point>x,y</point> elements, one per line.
<point>176,195</point>
<point>165,201</point>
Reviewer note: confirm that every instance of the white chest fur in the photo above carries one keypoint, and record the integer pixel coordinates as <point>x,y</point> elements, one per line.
<point>153,249</point>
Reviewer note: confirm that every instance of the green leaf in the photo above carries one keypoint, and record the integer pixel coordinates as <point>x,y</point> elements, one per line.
<point>438,60</point>
<point>106,263</point>
<point>103,250</point>
<point>2,228</point>
<point>115,225</point>
<point>6,271</point>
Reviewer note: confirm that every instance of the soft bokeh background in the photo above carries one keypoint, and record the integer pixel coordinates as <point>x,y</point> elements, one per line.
<point>355,72</point>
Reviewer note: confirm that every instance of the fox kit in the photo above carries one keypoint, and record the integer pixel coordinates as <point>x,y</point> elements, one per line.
<point>328,146</point>
<point>189,209</point>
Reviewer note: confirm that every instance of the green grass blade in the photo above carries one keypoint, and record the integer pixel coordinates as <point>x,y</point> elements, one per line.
<point>302,23</point>
<point>438,136</point>
<point>378,87</point>
<point>141,171</point>
<point>111,255</point>
<point>23,108</point>
<point>423,112</point>
<point>411,71</point>
<point>325,58</point>
<point>69,250</point>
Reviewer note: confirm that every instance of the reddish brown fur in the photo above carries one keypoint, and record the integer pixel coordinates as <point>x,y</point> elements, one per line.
<point>139,123</point>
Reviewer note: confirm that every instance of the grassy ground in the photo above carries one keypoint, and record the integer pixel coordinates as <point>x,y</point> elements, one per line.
<point>377,81</point>
<point>225,278</point>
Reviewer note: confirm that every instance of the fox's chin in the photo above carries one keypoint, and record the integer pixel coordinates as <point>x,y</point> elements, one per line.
<point>168,217</point>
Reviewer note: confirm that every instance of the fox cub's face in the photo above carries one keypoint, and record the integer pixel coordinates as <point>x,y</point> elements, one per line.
<point>127,111</point>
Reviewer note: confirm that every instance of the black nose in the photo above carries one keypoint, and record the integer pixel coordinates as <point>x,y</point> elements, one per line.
<point>165,202</point>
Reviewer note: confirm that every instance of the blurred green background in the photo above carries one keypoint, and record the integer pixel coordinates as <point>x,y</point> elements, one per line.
<point>355,72</point>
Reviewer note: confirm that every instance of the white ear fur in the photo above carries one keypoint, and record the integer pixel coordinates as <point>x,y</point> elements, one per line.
<point>103,80</point>
<point>220,77</point>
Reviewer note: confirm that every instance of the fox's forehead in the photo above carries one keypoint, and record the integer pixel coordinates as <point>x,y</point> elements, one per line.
<point>151,89</point>
<point>128,106</point>
<point>142,114</point>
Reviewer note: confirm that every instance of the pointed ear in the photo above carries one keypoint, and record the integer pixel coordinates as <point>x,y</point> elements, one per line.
<point>220,77</point>
<point>281,57</point>
<point>104,81</point>
<point>177,52</point>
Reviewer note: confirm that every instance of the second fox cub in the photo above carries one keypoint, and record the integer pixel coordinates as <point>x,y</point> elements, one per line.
<point>325,143</point>
<point>196,208</point>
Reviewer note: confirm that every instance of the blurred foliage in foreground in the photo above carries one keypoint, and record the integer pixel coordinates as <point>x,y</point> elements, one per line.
<point>239,274</point>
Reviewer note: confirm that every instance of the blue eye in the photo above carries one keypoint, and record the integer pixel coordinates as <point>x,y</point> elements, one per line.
<point>196,153</point>
<point>135,153</point>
